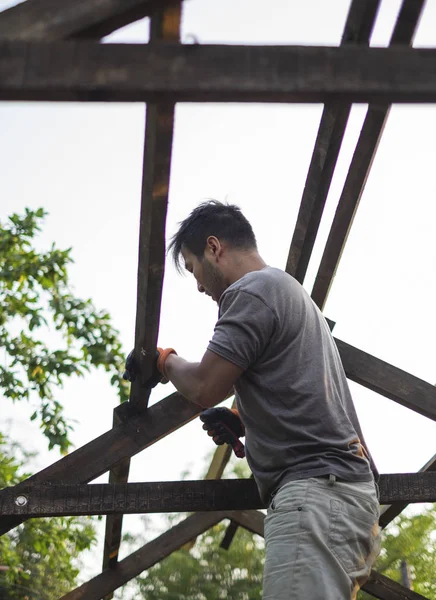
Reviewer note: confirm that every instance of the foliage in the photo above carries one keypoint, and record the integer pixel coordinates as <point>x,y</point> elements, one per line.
<point>207,571</point>
<point>41,554</point>
<point>410,538</point>
<point>35,302</point>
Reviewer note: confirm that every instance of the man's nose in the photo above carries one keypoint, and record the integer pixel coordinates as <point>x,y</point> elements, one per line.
<point>200,288</point>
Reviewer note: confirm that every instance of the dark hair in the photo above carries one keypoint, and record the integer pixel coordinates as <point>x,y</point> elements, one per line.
<point>224,221</point>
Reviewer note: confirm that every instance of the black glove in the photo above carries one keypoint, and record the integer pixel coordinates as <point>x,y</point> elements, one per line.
<point>132,371</point>
<point>222,424</point>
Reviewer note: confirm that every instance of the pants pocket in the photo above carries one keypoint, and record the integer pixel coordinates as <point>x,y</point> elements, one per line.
<point>354,536</point>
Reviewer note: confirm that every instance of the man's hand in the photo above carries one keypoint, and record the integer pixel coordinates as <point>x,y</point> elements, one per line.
<point>158,373</point>
<point>222,424</point>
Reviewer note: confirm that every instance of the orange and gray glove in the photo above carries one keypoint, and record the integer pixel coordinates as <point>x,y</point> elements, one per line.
<point>158,374</point>
<point>224,426</point>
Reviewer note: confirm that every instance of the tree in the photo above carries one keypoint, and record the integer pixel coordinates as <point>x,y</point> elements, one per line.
<point>207,571</point>
<point>35,301</point>
<point>48,335</point>
<point>40,557</point>
<point>410,537</point>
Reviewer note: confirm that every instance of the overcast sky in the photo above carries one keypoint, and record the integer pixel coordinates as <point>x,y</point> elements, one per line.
<point>83,164</point>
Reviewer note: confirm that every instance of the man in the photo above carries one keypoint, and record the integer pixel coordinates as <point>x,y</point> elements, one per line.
<point>303,440</point>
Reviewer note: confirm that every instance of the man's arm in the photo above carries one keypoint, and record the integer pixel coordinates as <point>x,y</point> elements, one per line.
<point>206,383</point>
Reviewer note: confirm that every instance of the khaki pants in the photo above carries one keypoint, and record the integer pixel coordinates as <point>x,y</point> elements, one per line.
<point>322,536</point>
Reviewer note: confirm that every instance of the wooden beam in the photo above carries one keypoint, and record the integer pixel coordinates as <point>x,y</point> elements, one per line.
<point>164,27</point>
<point>119,473</point>
<point>389,512</point>
<point>158,140</point>
<point>85,71</point>
<point>358,28</point>
<point>360,166</point>
<point>387,380</point>
<point>51,20</point>
<point>384,588</point>
<point>145,557</point>
<point>49,499</point>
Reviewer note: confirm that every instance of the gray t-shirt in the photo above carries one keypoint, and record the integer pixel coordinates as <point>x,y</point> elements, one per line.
<point>293,396</point>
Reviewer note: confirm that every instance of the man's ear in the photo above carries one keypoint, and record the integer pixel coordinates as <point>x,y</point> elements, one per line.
<point>214,246</point>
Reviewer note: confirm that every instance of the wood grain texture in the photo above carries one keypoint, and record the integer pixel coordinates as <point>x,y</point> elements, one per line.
<point>389,512</point>
<point>358,28</point>
<point>51,20</point>
<point>84,71</point>
<point>158,140</point>
<point>52,499</point>
<point>387,380</point>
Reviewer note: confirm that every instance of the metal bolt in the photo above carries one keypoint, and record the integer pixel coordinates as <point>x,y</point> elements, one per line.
<point>21,500</point>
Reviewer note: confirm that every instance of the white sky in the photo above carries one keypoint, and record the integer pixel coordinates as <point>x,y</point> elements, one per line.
<point>83,164</point>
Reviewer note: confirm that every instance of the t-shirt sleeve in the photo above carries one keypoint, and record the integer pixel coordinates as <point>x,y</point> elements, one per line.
<point>243,330</point>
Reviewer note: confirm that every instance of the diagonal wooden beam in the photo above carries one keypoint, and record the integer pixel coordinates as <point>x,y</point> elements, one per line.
<point>85,71</point>
<point>145,557</point>
<point>50,20</point>
<point>358,28</point>
<point>164,27</point>
<point>361,163</point>
<point>387,380</point>
<point>382,587</point>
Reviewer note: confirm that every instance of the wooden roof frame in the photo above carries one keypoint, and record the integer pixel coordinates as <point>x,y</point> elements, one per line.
<point>38,40</point>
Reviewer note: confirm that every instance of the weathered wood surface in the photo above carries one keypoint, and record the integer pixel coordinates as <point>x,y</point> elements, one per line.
<point>177,496</point>
<point>85,71</point>
<point>357,30</point>
<point>387,380</point>
<point>158,140</point>
<point>164,27</point>
<point>145,557</point>
<point>50,20</point>
<point>389,512</point>
<point>384,588</point>
<point>360,166</point>
<point>112,538</point>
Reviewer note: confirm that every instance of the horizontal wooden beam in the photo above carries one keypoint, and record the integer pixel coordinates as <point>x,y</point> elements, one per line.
<point>389,512</point>
<point>84,71</point>
<point>387,380</point>
<point>40,500</point>
<point>50,20</point>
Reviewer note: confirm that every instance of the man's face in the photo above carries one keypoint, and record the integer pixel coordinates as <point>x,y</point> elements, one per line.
<point>210,280</point>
